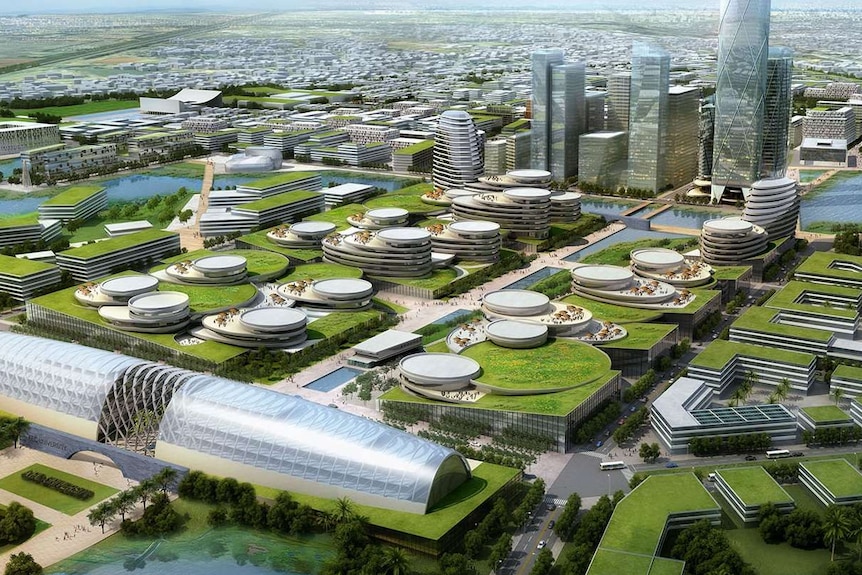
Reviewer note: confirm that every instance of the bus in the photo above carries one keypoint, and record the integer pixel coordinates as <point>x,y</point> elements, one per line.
<point>777,453</point>
<point>608,465</point>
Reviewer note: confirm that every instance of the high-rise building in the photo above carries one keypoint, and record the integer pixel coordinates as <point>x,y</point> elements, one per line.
<point>457,150</point>
<point>776,121</point>
<point>495,157</point>
<point>602,161</point>
<point>558,113</point>
<point>619,101</point>
<point>682,134</point>
<point>743,44</point>
<point>518,150</point>
<point>705,139</point>
<point>648,117</point>
<point>595,111</point>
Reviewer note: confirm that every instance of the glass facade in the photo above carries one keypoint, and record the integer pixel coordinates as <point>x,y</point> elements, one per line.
<point>776,123</point>
<point>648,117</point>
<point>706,138</point>
<point>568,111</point>
<point>743,41</point>
<point>540,130</point>
<point>682,135</point>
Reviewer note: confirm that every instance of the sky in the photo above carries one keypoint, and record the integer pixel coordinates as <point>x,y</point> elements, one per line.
<point>84,6</point>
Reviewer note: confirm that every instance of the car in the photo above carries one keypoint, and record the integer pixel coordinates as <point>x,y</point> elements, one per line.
<point>644,399</point>
<point>632,409</point>
<point>751,458</point>
<point>621,421</point>
<point>551,524</point>
<point>332,405</point>
<point>671,464</point>
<point>796,454</point>
<point>551,507</point>
<point>599,443</point>
<point>710,477</point>
<point>541,544</point>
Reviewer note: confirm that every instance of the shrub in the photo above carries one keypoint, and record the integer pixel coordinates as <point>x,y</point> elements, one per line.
<point>58,485</point>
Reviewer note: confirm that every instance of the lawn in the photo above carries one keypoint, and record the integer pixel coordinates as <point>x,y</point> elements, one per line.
<point>821,263</point>
<point>642,335</point>
<point>607,562</point>
<point>825,414</point>
<point>260,240</point>
<point>73,195</point>
<point>729,272</point>
<point>753,485</point>
<point>408,198</point>
<point>439,278</point>
<point>338,216</point>
<point>83,109</point>
<point>90,251</point>
<point>205,298</point>
<point>760,319</point>
<point>836,475</point>
<point>40,527</point>
<point>556,364</point>
<point>781,559</point>
<point>337,322</point>
<point>258,262</point>
<point>12,221</point>
<point>320,271</point>
<point>54,499</point>
<point>719,352</point>
<point>278,179</point>
<point>639,519</point>
<point>788,297</point>
<point>437,347</point>
<point>20,267</point>
<point>388,306</point>
<point>611,312</point>
<point>278,200</point>
<point>618,254</point>
<point>848,372</point>
<point>180,170</point>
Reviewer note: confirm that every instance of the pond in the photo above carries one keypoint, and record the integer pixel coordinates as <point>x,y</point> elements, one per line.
<point>333,379</point>
<point>224,551</point>
<point>595,205</point>
<point>626,235</point>
<point>838,199</point>
<point>534,277</point>
<point>686,217</point>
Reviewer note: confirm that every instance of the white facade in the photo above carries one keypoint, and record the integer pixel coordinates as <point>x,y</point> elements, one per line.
<point>16,137</point>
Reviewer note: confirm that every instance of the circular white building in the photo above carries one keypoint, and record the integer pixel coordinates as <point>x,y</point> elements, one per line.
<point>115,291</point>
<point>439,371</point>
<point>516,334</point>
<point>391,252</point>
<point>773,204</point>
<point>344,294</point>
<point>379,218</point>
<point>153,312</point>
<point>457,151</point>
<point>209,270</point>
<point>468,240</point>
<point>269,327</point>
<point>670,266</point>
<point>565,207</point>
<point>619,285</point>
<point>301,234</point>
<point>522,211</point>
<point>533,307</point>
<point>729,241</point>
<point>516,302</point>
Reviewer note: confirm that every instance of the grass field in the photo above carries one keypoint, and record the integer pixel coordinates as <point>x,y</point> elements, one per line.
<point>614,313</point>
<point>642,335</point>
<point>825,413</point>
<point>836,475</point>
<point>259,263</point>
<point>320,271</point>
<point>439,278</point>
<point>338,322</point>
<point>618,254</point>
<point>259,239</point>
<point>753,485</point>
<point>759,319</point>
<point>719,352</point>
<point>781,559</point>
<point>83,109</point>
<point>205,298</point>
<point>338,216</point>
<point>54,499</point>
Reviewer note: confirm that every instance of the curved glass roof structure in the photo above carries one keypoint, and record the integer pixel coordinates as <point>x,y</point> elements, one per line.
<point>63,377</point>
<point>287,434</point>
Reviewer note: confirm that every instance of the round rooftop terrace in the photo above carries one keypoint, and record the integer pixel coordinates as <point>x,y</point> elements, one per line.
<point>404,235</point>
<point>158,303</point>
<point>602,275</point>
<point>317,229</point>
<point>529,175</point>
<point>527,194</point>
<point>214,266</point>
<point>441,370</point>
<point>272,319</point>
<point>386,214</point>
<point>470,227</point>
<point>728,226</point>
<point>129,286</point>
<point>342,288</point>
<point>658,259</point>
<point>516,302</point>
<point>516,334</point>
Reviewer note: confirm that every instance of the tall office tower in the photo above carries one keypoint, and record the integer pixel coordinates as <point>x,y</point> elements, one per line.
<point>558,110</point>
<point>595,111</point>
<point>743,42</point>
<point>457,151</point>
<point>619,101</point>
<point>495,157</point>
<point>518,150</point>
<point>776,120</point>
<point>682,134</point>
<point>602,160</point>
<point>568,111</point>
<point>648,117</point>
<point>705,138</point>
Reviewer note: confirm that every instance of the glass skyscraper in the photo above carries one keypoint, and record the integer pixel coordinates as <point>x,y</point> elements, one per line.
<point>776,121</point>
<point>743,44</point>
<point>648,117</point>
<point>540,144</point>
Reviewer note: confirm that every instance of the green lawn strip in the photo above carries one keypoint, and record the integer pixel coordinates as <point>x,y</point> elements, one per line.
<point>729,272</point>
<point>825,413</point>
<point>639,519</point>
<point>412,203</point>
<point>388,306</point>
<point>40,527</point>
<point>618,254</point>
<point>556,364</point>
<point>611,312</point>
<point>205,298</point>
<point>608,562</point>
<point>642,336</point>
<point>759,319</point>
<point>753,485</point>
<point>848,372</point>
<point>73,195</point>
<point>786,297</point>
<point>20,267</point>
<point>719,352</point>
<point>82,109</point>
<point>90,251</point>
<point>337,322</point>
<point>836,475</point>
<point>439,278</point>
<point>278,179</point>
<point>781,559</point>
<point>63,301</point>
<point>258,262</point>
<point>260,240</point>
<point>338,216</point>
<point>803,498</point>
<point>487,480</point>
<point>437,347</point>
<point>14,483</point>
<point>819,263</point>
<point>320,271</point>
<point>664,566</point>
<point>559,403</point>
<point>17,220</point>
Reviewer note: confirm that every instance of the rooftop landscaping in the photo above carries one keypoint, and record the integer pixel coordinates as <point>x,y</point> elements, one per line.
<point>611,312</point>
<point>760,319</point>
<point>825,413</point>
<point>278,200</point>
<point>848,372</point>
<point>106,247</point>
<point>408,198</point>
<point>320,271</point>
<point>618,254</point>
<point>753,485</point>
<point>73,195</point>
<point>258,262</point>
<point>260,240</point>
<point>730,272</point>
<point>16,221</point>
<point>703,297</point>
<point>415,148</point>
<point>608,562</point>
<point>338,216</point>
<point>278,180</point>
<point>205,298</point>
<point>556,364</point>
<point>438,279</point>
<point>836,475</point>
<point>719,352</point>
<point>786,298</point>
<point>642,335</point>
<point>820,263</point>
<point>20,267</point>
<point>338,322</point>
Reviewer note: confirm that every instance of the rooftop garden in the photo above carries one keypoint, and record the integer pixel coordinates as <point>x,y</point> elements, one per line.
<point>618,254</point>
<point>760,319</point>
<point>820,263</point>
<point>408,198</point>
<point>338,322</point>
<point>20,267</point>
<point>703,297</point>
<point>608,562</point>
<point>260,240</point>
<point>642,336</point>
<point>848,372</point>
<point>73,195</point>
<point>16,221</point>
<point>106,247</point>
<point>753,485</point>
<point>258,262</point>
<point>825,413</point>
<point>787,296</point>
<point>612,312</point>
<point>278,200</point>
<point>729,272</point>
<point>556,364</point>
<point>439,278</point>
<point>320,271</point>
<point>205,298</point>
<point>838,476</point>
<point>338,216</point>
<point>278,179</point>
<point>719,352</point>
<point>415,148</point>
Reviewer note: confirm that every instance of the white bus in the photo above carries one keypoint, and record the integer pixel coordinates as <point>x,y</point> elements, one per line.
<point>777,453</point>
<point>608,465</point>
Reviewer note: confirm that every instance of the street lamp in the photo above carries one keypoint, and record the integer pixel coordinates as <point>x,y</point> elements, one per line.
<point>609,484</point>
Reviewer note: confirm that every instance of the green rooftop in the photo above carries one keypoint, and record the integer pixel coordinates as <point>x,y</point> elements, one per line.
<point>259,239</point>
<point>787,298</point>
<point>821,263</point>
<point>642,336</point>
<point>73,196</point>
<point>18,221</point>
<point>20,267</point>
<point>278,180</point>
<point>753,485</point>
<point>608,562</point>
<point>612,312</point>
<point>320,271</point>
<point>719,352</point>
<point>848,372</point>
<point>102,248</point>
<point>826,414</point>
<point>729,272</point>
<point>838,476</point>
<point>415,148</point>
<point>761,320</point>
<point>338,216</point>
<point>258,262</point>
<point>278,201</point>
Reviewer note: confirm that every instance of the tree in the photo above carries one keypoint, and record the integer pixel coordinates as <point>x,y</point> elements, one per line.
<point>737,397</point>
<point>838,394</point>
<point>344,510</point>
<point>836,526</point>
<point>14,429</point>
<point>166,478</point>
<point>565,526</point>
<point>782,390</point>
<point>649,452</point>
<point>124,502</point>
<point>22,564</point>
<point>100,515</point>
<point>456,564</point>
<point>145,491</point>
<point>17,524</point>
<point>543,563</point>
<point>395,561</point>
<point>500,551</point>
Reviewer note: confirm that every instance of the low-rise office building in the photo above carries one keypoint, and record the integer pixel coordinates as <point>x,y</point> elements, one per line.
<point>75,203</point>
<point>384,346</point>
<point>467,240</point>
<point>346,194</point>
<point>832,481</point>
<point>161,143</point>
<point>271,327</point>
<point>15,137</point>
<point>59,161</point>
<point>525,212</point>
<point>417,157</point>
<point>95,260</point>
<point>331,294</point>
<point>18,230</point>
<point>287,207</point>
<point>731,241</point>
<point>24,278</point>
<point>126,228</point>
<point>747,489</point>
<point>152,312</point>
<point>264,188</point>
<point>215,141</point>
<point>301,234</point>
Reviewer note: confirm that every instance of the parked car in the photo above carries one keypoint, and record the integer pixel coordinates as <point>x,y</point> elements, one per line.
<point>333,406</point>
<point>551,524</point>
<point>750,458</point>
<point>671,464</point>
<point>551,507</point>
<point>710,477</point>
<point>599,443</point>
<point>796,454</point>
<point>541,544</point>
<point>621,421</point>
<point>632,409</point>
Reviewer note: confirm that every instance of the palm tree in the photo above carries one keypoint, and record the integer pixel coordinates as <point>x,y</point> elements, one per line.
<point>738,395</point>
<point>857,536</point>
<point>782,389</point>
<point>838,394</point>
<point>773,398</point>
<point>395,561</point>
<point>344,510</point>
<point>836,526</point>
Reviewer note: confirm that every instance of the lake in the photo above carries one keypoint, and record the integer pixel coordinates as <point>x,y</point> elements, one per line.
<point>626,235</point>
<point>595,205</point>
<point>838,199</point>
<point>686,217</point>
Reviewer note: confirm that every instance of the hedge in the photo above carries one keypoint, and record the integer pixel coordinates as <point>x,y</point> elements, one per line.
<point>58,485</point>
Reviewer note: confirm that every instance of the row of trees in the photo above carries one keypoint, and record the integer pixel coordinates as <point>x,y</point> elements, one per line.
<point>640,387</point>
<point>585,535</point>
<point>709,323</point>
<point>601,419</point>
<point>747,443</point>
<point>126,501</point>
<point>627,430</point>
<point>832,435</point>
<point>847,239</point>
<point>707,551</point>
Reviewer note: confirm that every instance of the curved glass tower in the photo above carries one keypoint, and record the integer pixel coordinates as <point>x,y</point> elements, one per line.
<point>740,98</point>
